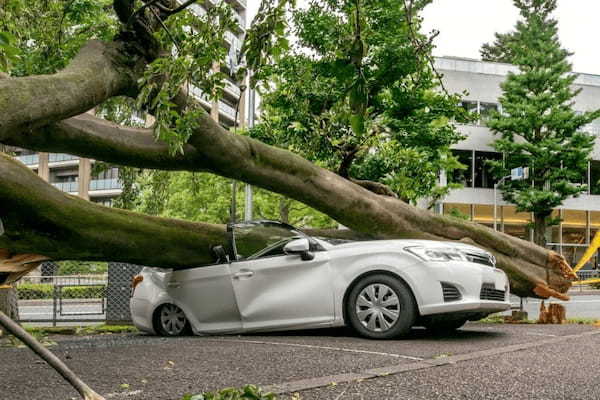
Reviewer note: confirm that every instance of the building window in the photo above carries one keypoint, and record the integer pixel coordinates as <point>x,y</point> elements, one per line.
<point>458,210</point>
<point>482,109</point>
<point>485,111</point>
<point>463,176</point>
<point>111,173</point>
<point>483,175</point>
<point>470,106</point>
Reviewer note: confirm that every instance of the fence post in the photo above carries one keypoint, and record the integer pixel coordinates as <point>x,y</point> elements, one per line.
<point>54,295</point>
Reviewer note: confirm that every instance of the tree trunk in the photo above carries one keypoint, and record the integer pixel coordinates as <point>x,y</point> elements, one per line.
<point>9,303</point>
<point>540,225</point>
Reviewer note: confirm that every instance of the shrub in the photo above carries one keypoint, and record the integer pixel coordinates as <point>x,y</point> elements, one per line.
<point>33,291</point>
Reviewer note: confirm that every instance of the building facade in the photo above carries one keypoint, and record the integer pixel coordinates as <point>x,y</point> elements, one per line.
<point>481,80</point>
<point>73,174</point>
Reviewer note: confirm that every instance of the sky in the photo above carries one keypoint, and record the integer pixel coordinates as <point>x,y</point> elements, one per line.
<point>465,25</point>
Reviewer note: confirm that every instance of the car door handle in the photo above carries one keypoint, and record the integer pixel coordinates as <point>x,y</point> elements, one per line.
<point>174,285</point>
<point>243,274</point>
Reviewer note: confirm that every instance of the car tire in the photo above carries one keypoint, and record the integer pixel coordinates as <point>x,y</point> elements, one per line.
<point>381,307</point>
<point>441,326</point>
<point>170,320</point>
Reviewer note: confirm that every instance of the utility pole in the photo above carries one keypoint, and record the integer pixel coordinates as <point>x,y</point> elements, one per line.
<point>251,120</point>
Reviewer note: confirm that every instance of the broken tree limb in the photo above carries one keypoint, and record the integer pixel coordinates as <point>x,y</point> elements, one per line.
<point>14,329</point>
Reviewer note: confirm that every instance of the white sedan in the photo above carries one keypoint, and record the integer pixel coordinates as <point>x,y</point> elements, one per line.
<point>271,276</point>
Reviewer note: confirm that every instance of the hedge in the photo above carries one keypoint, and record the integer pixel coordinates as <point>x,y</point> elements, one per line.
<point>31,291</point>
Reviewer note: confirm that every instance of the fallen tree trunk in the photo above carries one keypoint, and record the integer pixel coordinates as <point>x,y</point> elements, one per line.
<point>39,218</point>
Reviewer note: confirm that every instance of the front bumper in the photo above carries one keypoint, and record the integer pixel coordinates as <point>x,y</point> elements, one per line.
<point>473,282</point>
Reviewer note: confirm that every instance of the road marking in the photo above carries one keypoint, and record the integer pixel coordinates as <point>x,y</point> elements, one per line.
<point>123,394</point>
<point>310,346</point>
<point>323,381</point>
<point>540,334</point>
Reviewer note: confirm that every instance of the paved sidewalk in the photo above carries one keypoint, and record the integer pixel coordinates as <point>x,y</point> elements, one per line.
<point>479,361</point>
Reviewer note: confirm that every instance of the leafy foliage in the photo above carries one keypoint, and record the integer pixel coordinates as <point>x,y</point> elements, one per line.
<point>357,94</point>
<point>538,125</point>
<point>198,42</point>
<point>207,197</point>
<point>248,392</point>
<point>47,34</point>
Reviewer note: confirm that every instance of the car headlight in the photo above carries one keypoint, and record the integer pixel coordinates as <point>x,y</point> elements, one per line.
<point>437,253</point>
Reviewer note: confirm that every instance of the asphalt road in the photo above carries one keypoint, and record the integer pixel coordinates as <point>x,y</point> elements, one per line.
<point>480,361</point>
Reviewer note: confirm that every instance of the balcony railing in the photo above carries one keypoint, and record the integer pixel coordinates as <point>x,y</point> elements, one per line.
<point>105,184</point>
<point>227,109</point>
<point>69,187</point>
<point>29,159</point>
<point>58,157</point>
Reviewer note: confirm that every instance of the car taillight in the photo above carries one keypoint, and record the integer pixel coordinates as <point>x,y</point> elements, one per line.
<point>136,281</point>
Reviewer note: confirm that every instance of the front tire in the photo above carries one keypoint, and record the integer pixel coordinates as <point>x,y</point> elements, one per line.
<point>381,307</point>
<point>171,321</point>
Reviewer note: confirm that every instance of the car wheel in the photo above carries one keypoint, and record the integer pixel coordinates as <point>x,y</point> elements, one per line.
<point>441,326</point>
<point>171,321</point>
<point>381,307</point>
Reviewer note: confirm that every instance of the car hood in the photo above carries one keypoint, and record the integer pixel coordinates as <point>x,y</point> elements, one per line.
<point>401,243</point>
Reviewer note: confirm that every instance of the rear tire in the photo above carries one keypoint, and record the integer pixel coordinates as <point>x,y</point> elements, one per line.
<point>381,307</point>
<point>170,320</point>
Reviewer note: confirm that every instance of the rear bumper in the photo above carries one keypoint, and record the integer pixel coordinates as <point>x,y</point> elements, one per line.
<point>141,314</point>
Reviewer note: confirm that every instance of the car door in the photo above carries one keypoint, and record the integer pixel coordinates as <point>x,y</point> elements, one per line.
<point>206,295</point>
<point>283,291</point>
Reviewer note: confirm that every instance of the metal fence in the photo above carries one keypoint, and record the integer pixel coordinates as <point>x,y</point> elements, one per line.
<point>80,298</point>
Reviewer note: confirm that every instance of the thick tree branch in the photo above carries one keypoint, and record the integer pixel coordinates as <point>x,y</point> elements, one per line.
<point>40,219</point>
<point>93,137</point>
<point>97,73</point>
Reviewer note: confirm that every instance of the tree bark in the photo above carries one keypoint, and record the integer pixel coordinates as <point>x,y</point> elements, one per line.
<point>540,225</point>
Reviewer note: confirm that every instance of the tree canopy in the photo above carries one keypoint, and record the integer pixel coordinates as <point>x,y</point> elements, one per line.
<point>357,94</point>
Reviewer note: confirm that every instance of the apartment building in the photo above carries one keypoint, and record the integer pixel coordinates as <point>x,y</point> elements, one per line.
<point>475,201</point>
<point>73,174</point>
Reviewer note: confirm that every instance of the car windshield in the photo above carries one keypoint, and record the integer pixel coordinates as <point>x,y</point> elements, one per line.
<point>252,238</point>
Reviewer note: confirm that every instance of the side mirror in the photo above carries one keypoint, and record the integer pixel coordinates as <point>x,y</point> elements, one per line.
<point>301,247</point>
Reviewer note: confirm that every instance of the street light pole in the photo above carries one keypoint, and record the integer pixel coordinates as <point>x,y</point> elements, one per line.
<point>251,120</point>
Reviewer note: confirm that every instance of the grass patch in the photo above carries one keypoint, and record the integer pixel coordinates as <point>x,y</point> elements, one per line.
<point>81,330</point>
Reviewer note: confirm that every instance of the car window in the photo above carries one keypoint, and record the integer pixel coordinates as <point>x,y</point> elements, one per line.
<point>257,240</point>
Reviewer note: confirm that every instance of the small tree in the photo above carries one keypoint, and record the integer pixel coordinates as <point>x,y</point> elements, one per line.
<point>538,125</point>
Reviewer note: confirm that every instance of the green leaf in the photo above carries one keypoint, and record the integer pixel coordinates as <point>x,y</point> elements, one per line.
<point>358,124</point>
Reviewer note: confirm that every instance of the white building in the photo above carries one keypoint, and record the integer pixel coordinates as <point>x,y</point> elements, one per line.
<point>580,216</point>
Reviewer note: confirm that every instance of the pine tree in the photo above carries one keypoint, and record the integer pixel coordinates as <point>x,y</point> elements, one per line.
<point>539,128</point>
